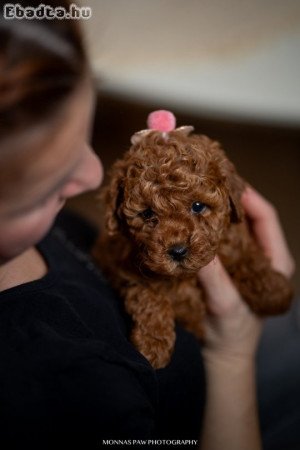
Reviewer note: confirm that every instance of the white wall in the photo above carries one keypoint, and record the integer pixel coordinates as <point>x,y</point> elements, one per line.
<point>231,58</point>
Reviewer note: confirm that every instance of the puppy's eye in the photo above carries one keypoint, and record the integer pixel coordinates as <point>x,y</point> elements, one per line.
<point>198,207</point>
<point>147,214</point>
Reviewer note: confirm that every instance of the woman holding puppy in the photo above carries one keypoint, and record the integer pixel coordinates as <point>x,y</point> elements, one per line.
<point>69,375</point>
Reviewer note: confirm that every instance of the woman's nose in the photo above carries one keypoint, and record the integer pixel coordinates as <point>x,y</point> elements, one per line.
<point>88,176</point>
<point>91,174</point>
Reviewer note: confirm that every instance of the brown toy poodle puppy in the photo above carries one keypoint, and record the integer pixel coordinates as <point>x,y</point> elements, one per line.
<point>172,204</point>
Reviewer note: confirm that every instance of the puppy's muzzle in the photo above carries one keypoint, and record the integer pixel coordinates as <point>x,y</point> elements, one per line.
<point>178,252</point>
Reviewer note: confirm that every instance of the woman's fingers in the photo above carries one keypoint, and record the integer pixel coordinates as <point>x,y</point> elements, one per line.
<point>268,232</point>
<point>221,293</point>
<point>231,329</point>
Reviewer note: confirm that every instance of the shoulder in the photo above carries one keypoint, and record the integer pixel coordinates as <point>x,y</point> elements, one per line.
<point>73,382</point>
<point>88,395</point>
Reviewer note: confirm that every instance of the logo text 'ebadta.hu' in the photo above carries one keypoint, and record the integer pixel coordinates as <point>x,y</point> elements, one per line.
<point>16,11</point>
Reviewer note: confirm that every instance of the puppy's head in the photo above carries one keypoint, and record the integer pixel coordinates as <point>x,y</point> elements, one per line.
<point>173,199</point>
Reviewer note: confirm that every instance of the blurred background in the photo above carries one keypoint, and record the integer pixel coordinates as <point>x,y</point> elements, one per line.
<point>231,68</point>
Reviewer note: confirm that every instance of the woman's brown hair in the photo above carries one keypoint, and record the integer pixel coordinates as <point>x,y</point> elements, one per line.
<point>41,63</point>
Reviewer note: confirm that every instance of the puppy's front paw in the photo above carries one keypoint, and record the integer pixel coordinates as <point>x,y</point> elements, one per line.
<point>156,349</point>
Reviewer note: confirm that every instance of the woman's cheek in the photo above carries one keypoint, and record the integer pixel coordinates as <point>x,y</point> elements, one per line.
<point>24,232</point>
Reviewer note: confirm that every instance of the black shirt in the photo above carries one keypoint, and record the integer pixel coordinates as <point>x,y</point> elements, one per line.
<point>69,374</point>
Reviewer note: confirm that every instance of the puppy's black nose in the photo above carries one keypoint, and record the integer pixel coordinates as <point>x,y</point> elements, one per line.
<point>177,252</point>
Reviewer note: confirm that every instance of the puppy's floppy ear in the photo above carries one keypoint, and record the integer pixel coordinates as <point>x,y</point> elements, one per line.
<point>235,186</point>
<point>233,182</point>
<point>112,196</point>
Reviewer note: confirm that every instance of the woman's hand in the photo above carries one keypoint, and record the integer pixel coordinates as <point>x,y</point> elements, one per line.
<point>232,330</point>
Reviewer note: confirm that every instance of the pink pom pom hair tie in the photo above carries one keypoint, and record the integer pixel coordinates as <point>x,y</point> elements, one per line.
<point>163,121</point>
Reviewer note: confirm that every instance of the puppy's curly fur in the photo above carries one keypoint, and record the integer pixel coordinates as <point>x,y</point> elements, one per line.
<point>171,206</point>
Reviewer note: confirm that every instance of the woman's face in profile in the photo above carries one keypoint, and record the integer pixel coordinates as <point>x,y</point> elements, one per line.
<point>66,166</point>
